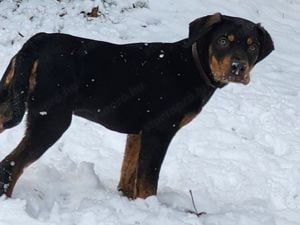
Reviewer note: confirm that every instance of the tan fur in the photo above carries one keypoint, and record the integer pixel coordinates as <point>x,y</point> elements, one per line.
<point>144,190</point>
<point>231,37</point>
<point>5,114</point>
<point>219,68</point>
<point>128,173</point>
<point>246,79</point>
<point>249,41</point>
<point>11,72</point>
<point>187,119</point>
<point>2,120</point>
<point>32,78</point>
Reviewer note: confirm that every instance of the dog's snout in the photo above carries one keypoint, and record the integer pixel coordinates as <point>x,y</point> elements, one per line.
<point>238,67</point>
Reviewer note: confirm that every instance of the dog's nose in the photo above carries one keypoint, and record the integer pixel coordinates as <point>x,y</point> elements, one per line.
<point>238,67</point>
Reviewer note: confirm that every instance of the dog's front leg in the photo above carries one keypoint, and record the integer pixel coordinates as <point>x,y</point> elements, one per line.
<point>129,166</point>
<point>153,150</point>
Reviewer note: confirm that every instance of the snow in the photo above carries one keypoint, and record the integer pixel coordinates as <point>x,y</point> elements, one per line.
<point>240,157</point>
<point>43,113</point>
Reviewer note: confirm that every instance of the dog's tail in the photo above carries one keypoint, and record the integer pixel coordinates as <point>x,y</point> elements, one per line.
<point>16,83</point>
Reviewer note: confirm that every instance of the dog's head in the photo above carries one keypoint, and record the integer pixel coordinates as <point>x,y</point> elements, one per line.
<point>234,45</point>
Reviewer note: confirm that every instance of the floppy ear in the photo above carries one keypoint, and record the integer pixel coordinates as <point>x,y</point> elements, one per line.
<point>201,26</point>
<point>266,43</point>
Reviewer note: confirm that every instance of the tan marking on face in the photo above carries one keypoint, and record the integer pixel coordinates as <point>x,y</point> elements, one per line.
<point>246,79</point>
<point>187,119</point>
<point>32,78</point>
<point>11,72</point>
<point>219,68</point>
<point>129,167</point>
<point>231,37</point>
<point>249,41</point>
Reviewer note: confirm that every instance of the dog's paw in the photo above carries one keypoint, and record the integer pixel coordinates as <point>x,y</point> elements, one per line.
<point>5,178</point>
<point>129,193</point>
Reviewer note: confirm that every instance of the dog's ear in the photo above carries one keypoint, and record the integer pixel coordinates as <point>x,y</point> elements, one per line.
<point>201,26</point>
<point>266,43</point>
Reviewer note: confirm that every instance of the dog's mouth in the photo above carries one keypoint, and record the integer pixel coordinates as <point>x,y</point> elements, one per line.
<point>245,79</point>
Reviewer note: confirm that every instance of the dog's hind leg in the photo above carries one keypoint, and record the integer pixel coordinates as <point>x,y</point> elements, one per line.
<point>41,133</point>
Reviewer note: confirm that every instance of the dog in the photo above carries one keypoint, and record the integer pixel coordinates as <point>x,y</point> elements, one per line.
<point>146,90</point>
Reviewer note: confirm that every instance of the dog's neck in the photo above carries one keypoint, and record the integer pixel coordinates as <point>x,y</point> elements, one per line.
<point>205,75</point>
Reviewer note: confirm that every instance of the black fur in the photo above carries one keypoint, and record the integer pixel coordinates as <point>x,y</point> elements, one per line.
<point>141,88</point>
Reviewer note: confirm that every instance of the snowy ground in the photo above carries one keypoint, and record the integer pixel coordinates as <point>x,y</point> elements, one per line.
<point>240,157</point>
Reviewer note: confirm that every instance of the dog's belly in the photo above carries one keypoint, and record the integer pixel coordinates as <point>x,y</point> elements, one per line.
<point>117,120</point>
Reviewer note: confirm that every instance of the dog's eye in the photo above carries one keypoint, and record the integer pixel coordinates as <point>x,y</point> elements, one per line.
<point>253,48</point>
<point>223,42</point>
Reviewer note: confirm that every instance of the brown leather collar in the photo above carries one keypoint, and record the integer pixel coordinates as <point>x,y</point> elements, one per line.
<point>202,73</point>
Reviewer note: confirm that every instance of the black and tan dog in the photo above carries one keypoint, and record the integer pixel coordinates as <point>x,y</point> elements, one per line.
<point>148,91</point>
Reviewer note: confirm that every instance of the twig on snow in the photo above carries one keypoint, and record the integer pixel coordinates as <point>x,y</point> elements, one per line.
<point>195,212</point>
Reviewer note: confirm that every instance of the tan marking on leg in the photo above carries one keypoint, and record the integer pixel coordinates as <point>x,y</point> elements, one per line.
<point>144,189</point>
<point>5,113</point>
<point>2,119</point>
<point>187,119</point>
<point>32,78</point>
<point>10,73</point>
<point>129,167</point>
